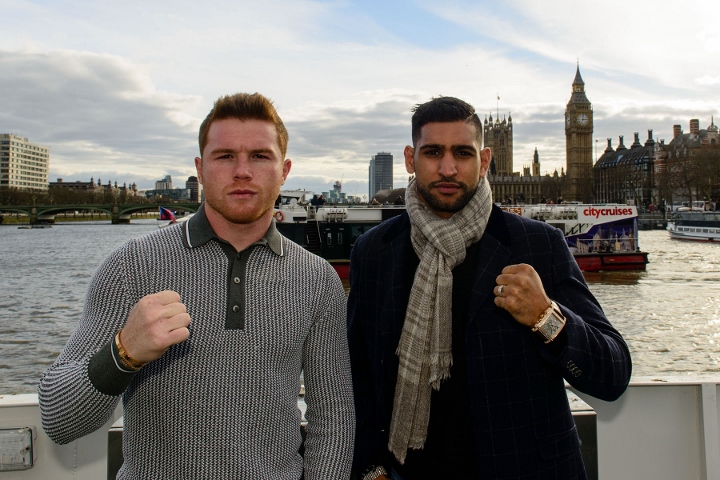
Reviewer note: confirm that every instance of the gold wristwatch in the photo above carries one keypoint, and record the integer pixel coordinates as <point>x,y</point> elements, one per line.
<point>551,323</point>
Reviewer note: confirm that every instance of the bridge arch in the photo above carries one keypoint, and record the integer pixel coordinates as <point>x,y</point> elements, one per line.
<point>120,213</point>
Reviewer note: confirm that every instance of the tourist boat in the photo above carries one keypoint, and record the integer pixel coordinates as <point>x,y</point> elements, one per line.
<point>695,225</point>
<point>601,237</point>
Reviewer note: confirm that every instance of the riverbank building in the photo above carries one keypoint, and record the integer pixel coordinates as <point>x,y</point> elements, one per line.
<point>380,173</point>
<point>683,170</point>
<point>518,188</point>
<point>92,187</point>
<point>688,167</point>
<point>626,175</point>
<point>164,189</point>
<point>23,165</point>
<point>195,188</point>
<point>498,136</point>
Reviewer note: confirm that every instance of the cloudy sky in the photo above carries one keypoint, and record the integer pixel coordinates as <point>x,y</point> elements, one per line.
<point>117,90</point>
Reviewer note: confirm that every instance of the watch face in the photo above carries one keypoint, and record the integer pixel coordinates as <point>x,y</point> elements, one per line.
<point>553,323</point>
<point>583,119</point>
<point>553,326</point>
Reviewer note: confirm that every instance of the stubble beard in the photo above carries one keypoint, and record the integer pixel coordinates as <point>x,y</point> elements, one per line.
<point>437,203</point>
<point>239,216</point>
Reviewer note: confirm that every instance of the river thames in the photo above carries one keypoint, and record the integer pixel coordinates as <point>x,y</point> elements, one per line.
<point>669,314</point>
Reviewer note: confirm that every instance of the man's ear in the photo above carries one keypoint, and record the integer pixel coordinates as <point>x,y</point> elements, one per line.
<point>198,168</point>
<point>287,164</point>
<point>485,157</point>
<point>409,154</point>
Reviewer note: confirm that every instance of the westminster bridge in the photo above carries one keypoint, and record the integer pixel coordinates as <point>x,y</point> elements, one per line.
<point>118,212</point>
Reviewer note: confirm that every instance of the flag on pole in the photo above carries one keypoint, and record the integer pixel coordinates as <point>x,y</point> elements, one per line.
<point>166,214</point>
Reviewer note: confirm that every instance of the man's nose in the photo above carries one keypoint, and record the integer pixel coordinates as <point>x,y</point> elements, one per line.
<point>242,168</point>
<point>448,166</point>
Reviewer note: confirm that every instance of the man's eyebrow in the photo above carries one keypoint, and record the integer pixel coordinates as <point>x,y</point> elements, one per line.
<point>434,146</point>
<point>231,150</point>
<point>437,146</point>
<point>463,147</point>
<point>221,150</point>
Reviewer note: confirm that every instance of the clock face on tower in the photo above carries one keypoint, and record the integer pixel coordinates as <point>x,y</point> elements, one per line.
<point>567,120</point>
<point>583,119</point>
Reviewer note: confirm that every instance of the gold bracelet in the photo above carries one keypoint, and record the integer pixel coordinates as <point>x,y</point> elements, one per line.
<point>545,314</point>
<point>126,359</point>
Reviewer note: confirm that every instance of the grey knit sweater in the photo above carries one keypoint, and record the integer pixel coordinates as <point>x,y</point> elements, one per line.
<point>222,404</point>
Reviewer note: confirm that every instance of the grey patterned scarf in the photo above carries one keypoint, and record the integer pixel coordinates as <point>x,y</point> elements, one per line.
<point>425,347</point>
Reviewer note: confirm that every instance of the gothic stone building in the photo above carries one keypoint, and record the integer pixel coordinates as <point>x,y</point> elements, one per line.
<point>498,136</point>
<point>626,175</point>
<point>514,188</point>
<point>578,143</point>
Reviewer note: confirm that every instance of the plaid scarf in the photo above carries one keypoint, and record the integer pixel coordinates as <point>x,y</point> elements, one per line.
<point>425,347</point>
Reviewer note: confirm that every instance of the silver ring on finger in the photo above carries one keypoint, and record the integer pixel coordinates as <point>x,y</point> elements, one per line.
<point>500,290</point>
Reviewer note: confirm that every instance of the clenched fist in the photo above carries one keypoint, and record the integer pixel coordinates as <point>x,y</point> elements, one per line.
<point>520,291</point>
<point>155,323</point>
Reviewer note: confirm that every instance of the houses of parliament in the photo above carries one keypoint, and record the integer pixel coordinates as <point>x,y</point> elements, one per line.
<point>572,184</point>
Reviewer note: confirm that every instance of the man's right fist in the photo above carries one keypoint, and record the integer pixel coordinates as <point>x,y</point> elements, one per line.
<point>155,323</point>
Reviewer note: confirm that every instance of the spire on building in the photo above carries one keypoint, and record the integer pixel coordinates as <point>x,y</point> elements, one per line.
<point>578,78</point>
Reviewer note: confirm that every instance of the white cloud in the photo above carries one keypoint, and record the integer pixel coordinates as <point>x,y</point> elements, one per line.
<point>122,87</point>
<point>708,80</point>
<point>93,110</point>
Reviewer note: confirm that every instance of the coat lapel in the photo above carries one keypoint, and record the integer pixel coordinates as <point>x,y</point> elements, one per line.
<point>494,255</point>
<point>396,255</point>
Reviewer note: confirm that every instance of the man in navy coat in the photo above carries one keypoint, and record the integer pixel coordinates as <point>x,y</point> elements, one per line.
<point>464,321</point>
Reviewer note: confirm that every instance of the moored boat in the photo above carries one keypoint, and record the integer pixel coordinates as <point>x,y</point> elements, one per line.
<point>601,237</point>
<point>695,225</point>
<point>37,225</point>
<point>329,231</point>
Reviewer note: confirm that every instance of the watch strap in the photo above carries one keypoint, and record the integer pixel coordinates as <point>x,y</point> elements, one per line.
<point>551,323</point>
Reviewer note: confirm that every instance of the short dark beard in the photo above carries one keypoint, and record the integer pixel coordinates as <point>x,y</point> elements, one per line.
<point>435,203</point>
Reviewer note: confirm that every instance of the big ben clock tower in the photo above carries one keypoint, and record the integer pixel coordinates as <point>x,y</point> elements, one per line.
<point>578,143</point>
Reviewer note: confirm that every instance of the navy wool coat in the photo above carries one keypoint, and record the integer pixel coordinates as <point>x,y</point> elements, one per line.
<point>521,419</point>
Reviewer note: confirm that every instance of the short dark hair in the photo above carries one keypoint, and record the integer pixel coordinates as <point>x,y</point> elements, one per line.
<point>444,109</point>
<point>244,106</point>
